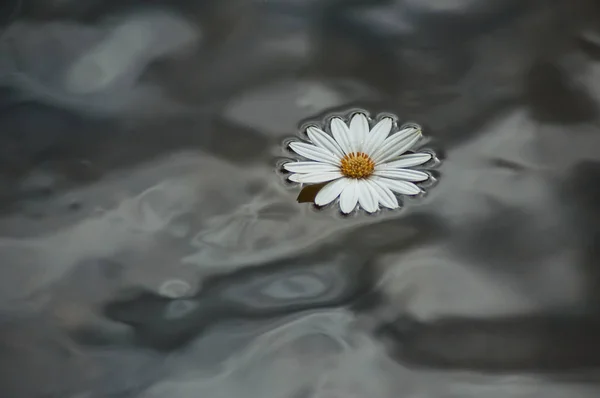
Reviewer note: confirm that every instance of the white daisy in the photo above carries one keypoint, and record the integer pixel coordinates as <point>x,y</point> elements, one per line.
<point>363,166</point>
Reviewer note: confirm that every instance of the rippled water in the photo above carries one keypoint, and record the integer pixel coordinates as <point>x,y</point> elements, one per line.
<point>150,249</point>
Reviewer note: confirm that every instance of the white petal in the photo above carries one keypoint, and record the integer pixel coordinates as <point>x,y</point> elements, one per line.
<point>309,167</point>
<point>330,192</point>
<point>397,144</point>
<point>402,187</point>
<point>341,133</point>
<point>366,198</point>
<point>314,153</point>
<point>359,129</point>
<point>402,174</point>
<point>349,197</point>
<point>384,195</point>
<point>324,140</point>
<point>377,135</point>
<point>315,178</point>
<point>410,160</point>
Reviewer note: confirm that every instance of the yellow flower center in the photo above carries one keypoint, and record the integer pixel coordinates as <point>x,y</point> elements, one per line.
<point>357,165</point>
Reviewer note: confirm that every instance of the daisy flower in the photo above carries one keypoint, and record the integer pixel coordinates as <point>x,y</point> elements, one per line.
<point>361,165</point>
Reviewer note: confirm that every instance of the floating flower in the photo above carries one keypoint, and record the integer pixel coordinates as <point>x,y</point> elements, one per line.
<point>361,165</point>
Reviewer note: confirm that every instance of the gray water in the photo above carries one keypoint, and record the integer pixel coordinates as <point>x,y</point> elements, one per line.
<point>149,248</point>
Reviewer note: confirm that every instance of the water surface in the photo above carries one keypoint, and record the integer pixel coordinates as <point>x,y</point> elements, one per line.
<point>149,247</point>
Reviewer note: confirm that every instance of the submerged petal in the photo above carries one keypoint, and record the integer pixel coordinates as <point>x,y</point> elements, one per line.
<point>410,160</point>
<point>397,144</point>
<point>403,174</point>
<point>315,178</point>
<point>324,140</point>
<point>366,197</point>
<point>331,191</point>
<point>359,129</point>
<point>402,187</point>
<point>309,167</point>
<point>314,153</point>
<point>377,135</point>
<point>349,197</point>
<point>341,133</point>
<point>384,195</point>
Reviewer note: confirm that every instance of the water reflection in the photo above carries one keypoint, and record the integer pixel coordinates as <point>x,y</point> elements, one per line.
<point>149,248</point>
<point>267,291</point>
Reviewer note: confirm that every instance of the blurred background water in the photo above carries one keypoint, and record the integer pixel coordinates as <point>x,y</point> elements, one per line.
<point>149,249</point>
